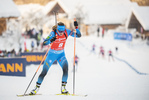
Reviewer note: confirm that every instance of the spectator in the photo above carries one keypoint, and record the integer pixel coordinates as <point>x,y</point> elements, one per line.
<point>34,33</point>
<point>25,47</point>
<point>13,53</point>
<point>5,53</point>
<point>102,32</point>
<point>98,31</point>
<point>38,38</point>
<point>1,53</point>
<point>41,31</point>
<point>29,33</point>
<point>32,45</point>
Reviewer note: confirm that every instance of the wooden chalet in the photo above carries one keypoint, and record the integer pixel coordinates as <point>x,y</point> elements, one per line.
<point>138,19</point>
<point>8,10</point>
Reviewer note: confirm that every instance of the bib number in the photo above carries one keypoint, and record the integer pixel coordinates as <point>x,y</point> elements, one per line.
<point>60,45</point>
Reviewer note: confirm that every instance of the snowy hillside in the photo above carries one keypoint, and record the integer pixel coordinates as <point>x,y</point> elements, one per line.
<point>96,77</point>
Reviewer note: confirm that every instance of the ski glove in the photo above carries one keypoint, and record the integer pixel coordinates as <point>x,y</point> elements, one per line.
<point>76,24</point>
<point>53,39</point>
<point>45,42</point>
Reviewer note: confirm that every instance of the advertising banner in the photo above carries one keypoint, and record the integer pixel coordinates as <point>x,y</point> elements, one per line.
<point>123,36</point>
<point>13,66</point>
<point>34,57</point>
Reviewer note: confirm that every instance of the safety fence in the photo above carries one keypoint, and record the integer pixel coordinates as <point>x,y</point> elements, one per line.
<point>17,66</point>
<point>134,69</point>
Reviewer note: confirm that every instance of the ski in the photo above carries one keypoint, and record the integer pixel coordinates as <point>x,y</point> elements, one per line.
<point>73,95</point>
<point>22,95</point>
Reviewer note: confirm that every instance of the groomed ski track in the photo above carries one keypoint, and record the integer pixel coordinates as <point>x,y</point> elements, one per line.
<point>96,77</point>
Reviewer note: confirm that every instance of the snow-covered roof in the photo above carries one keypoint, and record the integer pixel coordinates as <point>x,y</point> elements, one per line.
<point>142,15</point>
<point>101,11</point>
<point>107,14</point>
<point>51,5</point>
<point>29,8</point>
<point>8,9</point>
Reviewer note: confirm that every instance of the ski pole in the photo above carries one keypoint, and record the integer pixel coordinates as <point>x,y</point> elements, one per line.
<point>37,69</point>
<point>74,62</point>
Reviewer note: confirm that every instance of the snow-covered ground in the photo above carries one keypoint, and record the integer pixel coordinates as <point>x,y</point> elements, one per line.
<point>96,77</point>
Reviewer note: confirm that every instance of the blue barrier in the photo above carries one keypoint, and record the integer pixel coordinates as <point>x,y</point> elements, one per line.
<point>13,66</point>
<point>130,66</point>
<point>34,57</point>
<point>123,36</point>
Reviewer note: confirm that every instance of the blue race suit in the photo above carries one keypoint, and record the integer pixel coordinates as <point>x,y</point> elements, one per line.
<point>58,55</point>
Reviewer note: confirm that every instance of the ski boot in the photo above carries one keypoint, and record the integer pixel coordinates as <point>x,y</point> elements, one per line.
<point>35,90</point>
<point>63,89</point>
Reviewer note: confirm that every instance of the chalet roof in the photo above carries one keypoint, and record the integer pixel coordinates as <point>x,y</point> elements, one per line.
<point>141,13</point>
<point>8,9</point>
<point>101,11</point>
<point>48,8</point>
<point>107,14</point>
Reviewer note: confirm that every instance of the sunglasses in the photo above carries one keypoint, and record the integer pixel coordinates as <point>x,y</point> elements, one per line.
<point>61,31</point>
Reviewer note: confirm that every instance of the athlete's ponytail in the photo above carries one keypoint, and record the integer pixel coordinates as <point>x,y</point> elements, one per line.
<point>54,27</point>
